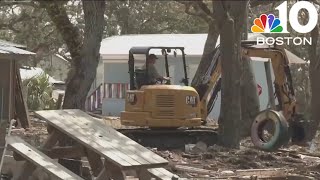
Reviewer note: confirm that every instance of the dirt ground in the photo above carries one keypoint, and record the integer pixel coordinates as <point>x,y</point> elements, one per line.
<point>218,160</point>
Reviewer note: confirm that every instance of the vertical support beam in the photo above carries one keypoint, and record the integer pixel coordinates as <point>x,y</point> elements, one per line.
<point>95,162</point>
<point>59,101</point>
<point>52,139</point>
<point>143,174</point>
<point>4,120</point>
<point>26,171</point>
<point>11,91</point>
<point>114,171</point>
<point>20,107</point>
<point>269,83</point>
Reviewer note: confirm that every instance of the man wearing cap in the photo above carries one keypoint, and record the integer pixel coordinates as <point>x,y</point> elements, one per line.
<point>152,71</point>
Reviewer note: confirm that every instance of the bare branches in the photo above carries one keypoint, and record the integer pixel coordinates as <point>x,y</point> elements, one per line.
<point>255,3</point>
<point>22,17</point>
<point>69,32</point>
<point>198,8</point>
<point>24,3</point>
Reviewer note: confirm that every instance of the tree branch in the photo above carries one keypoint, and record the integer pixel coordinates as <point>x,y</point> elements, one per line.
<point>255,3</point>
<point>204,7</point>
<point>22,17</point>
<point>200,9</point>
<point>69,32</point>
<point>24,3</point>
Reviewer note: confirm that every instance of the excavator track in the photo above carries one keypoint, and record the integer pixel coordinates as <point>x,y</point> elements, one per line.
<point>171,138</point>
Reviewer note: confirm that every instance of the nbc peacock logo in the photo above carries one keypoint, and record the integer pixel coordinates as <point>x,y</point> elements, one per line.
<point>267,24</point>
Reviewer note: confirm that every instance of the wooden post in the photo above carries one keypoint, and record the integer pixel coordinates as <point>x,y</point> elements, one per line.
<point>21,108</point>
<point>4,121</point>
<point>59,101</point>
<point>94,161</point>
<point>2,125</point>
<point>270,86</point>
<point>10,89</point>
<point>143,174</point>
<point>113,171</point>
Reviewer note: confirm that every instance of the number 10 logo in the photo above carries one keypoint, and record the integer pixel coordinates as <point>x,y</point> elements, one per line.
<point>270,24</point>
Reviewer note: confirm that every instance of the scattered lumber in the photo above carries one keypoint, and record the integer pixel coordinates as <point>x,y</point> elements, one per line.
<point>264,173</point>
<point>299,153</point>
<point>190,169</point>
<point>273,173</point>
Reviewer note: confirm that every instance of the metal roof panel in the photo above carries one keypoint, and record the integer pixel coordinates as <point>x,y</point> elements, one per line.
<point>14,50</point>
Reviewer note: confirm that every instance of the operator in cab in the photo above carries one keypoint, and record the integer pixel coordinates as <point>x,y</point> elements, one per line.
<point>153,74</point>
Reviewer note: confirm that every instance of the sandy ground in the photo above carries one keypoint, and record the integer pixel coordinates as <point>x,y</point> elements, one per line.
<point>218,159</point>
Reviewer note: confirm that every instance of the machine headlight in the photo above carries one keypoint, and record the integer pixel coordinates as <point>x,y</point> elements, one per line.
<point>131,98</point>
<point>191,100</point>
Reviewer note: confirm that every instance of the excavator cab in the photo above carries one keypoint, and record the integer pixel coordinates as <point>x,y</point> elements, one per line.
<point>139,76</point>
<point>160,105</point>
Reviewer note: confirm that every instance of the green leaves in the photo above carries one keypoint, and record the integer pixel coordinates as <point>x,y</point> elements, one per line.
<point>39,93</point>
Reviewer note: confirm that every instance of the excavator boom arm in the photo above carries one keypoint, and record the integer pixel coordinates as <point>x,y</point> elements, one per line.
<point>282,83</point>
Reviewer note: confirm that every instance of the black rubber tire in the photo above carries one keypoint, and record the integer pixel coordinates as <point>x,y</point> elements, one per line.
<point>280,132</point>
<point>285,134</point>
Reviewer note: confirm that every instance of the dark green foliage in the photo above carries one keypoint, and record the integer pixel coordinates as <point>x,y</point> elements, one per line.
<point>39,93</point>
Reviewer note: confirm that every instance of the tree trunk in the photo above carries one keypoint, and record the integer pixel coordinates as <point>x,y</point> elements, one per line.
<point>85,57</point>
<point>207,56</point>
<point>250,105</point>
<point>245,25</point>
<point>231,20</point>
<point>230,113</point>
<point>83,69</point>
<point>314,72</point>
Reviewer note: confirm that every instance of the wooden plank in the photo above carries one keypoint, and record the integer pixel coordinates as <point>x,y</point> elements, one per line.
<point>26,171</point>
<point>21,105</point>
<point>64,152</point>
<point>193,170</point>
<point>93,138</point>
<point>95,143</point>
<point>38,158</point>
<point>162,174</point>
<point>144,174</point>
<point>157,174</point>
<point>113,171</point>
<point>271,172</point>
<point>103,175</point>
<point>94,161</point>
<point>261,173</point>
<point>131,147</point>
<point>166,172</point>
<point>59,101</point>
<point>114,139</point>
<point>52,139</point>
<point>57,153</point>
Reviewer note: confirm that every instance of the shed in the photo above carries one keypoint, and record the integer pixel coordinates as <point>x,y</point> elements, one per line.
<point>112,80</point>
<point>10,90</point>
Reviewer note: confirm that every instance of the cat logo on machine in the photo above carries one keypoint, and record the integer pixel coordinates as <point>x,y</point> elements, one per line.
<point>191,100</point>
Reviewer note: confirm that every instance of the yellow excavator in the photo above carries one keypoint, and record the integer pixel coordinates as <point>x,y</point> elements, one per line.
<point>167,109</point>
